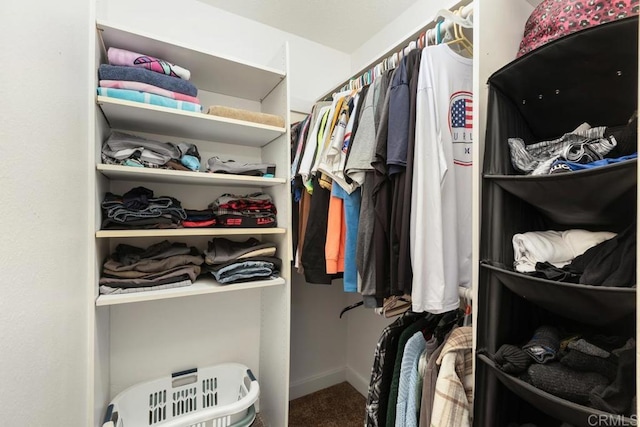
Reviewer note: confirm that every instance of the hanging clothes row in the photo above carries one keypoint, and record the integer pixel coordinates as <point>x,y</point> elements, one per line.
<point>382,182</point>
<point>422,373</point>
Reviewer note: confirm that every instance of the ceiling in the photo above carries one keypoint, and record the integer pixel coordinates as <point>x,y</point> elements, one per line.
<point>328,22</point>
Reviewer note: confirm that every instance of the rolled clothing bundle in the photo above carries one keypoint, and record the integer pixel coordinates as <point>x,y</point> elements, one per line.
<point>217,165</point>
<point>556,247</point>
<point>138,208</point>
<point>132,59</point>
<point>512,359</point>
<point>543,347</point>
<point>162,265</point>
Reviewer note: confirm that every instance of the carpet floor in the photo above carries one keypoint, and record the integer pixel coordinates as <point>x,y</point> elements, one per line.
<point>338,406</point>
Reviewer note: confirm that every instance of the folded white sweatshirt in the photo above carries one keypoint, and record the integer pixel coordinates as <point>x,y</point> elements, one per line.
<point>556,247</point>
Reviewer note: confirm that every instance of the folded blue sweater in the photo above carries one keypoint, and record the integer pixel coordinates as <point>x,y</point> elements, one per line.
<point>135,74</point>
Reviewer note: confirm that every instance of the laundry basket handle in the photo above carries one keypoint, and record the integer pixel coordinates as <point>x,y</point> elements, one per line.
<point>110,417</point>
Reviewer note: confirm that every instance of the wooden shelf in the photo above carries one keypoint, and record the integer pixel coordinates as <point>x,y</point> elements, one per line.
<point>141,117</point>
<point>181,232</point>
<point>213,73</point>
<point>199,287</point>
<point>129,173</point>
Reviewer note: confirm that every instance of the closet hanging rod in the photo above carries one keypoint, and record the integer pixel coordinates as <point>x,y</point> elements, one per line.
<point>467,10</point>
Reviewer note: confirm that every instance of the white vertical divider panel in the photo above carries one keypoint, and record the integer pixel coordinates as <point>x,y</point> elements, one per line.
<point>275,325</point>
<point>99,355</point>
<point>498,26</point>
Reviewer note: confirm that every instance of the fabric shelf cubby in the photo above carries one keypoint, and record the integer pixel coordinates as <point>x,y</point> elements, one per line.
<point>588,76</point>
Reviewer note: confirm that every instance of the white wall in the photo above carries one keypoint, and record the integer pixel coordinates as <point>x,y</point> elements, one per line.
<point>318,336</point>
<point>409,22</point>
<point>43,261</point>
<point>313,67</point>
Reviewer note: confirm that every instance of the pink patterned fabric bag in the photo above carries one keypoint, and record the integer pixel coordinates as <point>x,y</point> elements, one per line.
<point>553,19</point>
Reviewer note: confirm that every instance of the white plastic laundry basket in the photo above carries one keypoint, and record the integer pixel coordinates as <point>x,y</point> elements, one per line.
<point>216,396</point>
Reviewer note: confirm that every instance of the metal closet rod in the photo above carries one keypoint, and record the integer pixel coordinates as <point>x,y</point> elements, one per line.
<point>403,47</point>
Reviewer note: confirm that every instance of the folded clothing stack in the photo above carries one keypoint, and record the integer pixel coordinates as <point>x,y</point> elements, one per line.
<point>593,370</point>
<point>199,218</point>
<point>246,115</point>
<point>236,262</point>
<point>217,165</point>
<point>131,150</point>
<point>252,210</point>
<point>162,265</point>
<point>556,247</point>
<point>141,78</point>
<point>583,148</point>
<point>578,256</point>
<point>138,208</point>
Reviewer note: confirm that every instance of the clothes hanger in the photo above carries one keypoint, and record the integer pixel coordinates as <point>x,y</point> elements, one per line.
<point>455,18</point>
<point>396,305</point>
<point>351,307</point>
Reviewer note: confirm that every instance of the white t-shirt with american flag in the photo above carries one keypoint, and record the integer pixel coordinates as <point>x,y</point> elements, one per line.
<point>442,175</point>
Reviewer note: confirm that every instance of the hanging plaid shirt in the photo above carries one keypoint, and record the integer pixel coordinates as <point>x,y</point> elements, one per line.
<point>454,388</point>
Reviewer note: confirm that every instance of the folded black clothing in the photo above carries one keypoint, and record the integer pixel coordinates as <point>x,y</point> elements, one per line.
<point>512,359</point>
<point>548,271</point>
<point>607,342</point>
<point>544,345</point>
<point>139,203</point>
<point>616,397</point>
<point>610,263</point>
<point>564,382</point>
<point>626,138</point>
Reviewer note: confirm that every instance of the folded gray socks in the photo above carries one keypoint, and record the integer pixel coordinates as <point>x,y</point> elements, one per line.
<point>564,382</point>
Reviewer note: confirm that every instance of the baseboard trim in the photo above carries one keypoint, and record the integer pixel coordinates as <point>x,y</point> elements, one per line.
<point>358,382</point>
<point>316,382</point>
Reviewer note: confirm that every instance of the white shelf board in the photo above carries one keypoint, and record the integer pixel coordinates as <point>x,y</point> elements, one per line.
<point>199,287</point>
<point>210,72</point>
<point>141,117</point>
<point>181,232</point>
<point>129,173</point>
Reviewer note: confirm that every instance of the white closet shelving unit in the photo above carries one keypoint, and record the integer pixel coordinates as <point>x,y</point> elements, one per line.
<point>142,336</point>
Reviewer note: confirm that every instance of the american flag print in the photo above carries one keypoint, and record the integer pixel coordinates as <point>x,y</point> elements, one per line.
<point>461,111</point>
